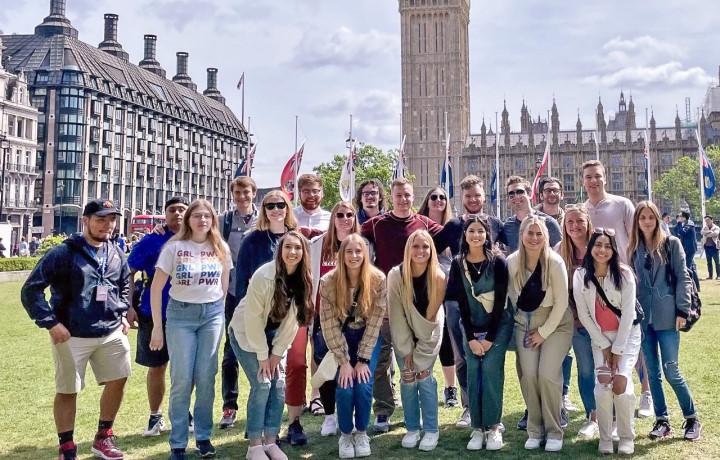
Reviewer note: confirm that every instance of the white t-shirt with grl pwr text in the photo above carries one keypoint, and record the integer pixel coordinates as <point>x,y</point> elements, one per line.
<point>195,270</point>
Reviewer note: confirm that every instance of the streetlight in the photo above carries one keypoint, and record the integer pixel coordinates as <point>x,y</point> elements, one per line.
<point>228,173</point>
<point>4,146</point>
<point>61,189</point>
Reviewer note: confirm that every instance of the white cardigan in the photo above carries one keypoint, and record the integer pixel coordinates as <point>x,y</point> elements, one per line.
<point>623,299</point>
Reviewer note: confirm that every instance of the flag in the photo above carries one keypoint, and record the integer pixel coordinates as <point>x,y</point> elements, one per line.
<point>446,175</point>
<point>399,170</point>
<point>541,170</point>
<point>648,178</point>
<point>346,186</point>
<point>245,168</point>
<point>707,171</point>
<point>493,185</point>
<point>289,172</point>
<point>241,81</point>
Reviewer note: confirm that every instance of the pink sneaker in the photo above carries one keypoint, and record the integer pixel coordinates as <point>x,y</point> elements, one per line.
<point>104,446</point>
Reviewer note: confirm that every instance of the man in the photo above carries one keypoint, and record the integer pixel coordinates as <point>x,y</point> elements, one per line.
<point>369,200</point>
<point>710,233</point>
<point>473,200</point>
<point>309,214</point>
<point>388,233</point>
<point>685,230</point>
<point>550,189</point>
<point>235,224</point>
<point>518,193</point>
<point>2,249</point>
<point>612,211</point>
<point>89,277</point>
<point>666,224</point>
<point>143,257</point>
<point>34,246</point>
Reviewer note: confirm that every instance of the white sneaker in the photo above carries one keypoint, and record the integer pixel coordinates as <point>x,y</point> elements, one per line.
<point>532,443</point>
<point>155,426</point>
<point>329,426</point>
<point>606,447</point>
<point>568,405</point>
<point>589,429</point>
<point>411,439</point>
<point>464,421</point>
<point>626,447</point>
<point>477,438</point>
<point>362,445</point>
<point>615,436</point>
<point>494,440</point>
<point>646,405</point>
<point>501,427</point>
<point>429,441</point>
<point>346,448</point>
<point>553,445</point>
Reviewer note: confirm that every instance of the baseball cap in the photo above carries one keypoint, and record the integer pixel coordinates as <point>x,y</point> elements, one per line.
<point>100,208</point>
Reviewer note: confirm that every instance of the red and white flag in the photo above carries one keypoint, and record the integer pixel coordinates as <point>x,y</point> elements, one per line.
<point>541,170</point>
<point>346,186</point>
<point>241,81</point>
<point>288,177</point>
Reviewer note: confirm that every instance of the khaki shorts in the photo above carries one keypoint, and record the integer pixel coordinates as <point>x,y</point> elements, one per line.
<point>109,358</point>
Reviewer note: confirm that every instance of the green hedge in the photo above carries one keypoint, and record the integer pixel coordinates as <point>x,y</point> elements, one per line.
<point>17,264</point>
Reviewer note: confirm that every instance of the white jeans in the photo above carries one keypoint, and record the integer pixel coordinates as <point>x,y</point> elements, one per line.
<point>624,403</point>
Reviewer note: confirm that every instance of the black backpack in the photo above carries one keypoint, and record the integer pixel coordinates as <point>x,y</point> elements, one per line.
<point>695,303</point>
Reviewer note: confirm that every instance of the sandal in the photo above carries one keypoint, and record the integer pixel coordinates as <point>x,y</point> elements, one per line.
<point>316,407</point>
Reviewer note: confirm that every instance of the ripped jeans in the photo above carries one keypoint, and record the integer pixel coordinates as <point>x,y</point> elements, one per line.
<point>668,343</point>
<point>418,392</point>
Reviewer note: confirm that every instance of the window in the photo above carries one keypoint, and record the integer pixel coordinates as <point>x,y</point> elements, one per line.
<point>569,183</point>
<point>519,163</point>
<point>616,161</point>
<point>567,162</point>
<point>617,182</point>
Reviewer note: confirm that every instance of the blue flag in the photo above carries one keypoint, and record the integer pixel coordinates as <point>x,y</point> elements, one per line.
<point>707,171</point>
<point>493,186</point>
<point>446,184</point>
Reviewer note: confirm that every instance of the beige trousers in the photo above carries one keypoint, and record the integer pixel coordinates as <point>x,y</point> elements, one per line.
<point>541,370</point>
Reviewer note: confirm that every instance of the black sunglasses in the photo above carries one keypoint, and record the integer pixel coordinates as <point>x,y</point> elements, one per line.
<point>435,197</point>
<point>344,215</point>
<point>518,192</point>
<point>271,206</point>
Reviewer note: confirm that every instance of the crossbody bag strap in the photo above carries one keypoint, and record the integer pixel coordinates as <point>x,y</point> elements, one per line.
<point>353,311</point>
<point>604,298</point>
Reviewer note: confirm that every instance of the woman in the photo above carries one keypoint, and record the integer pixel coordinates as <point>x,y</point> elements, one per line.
<point>416,289</point>
<point>263,326</point>
<point>577,230</point>
<point>353,299</point>
<point>323,250</point>
<point>198,263</point>
<point>538,288</point>
<point>479,283</point>
<point>604,292</point>
<point>665,298</point>
<point>436,207</point>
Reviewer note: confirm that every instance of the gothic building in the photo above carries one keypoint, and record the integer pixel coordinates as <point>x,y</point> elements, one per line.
<point>111,129</point>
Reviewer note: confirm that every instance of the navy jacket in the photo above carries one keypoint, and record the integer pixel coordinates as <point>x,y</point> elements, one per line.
<point>688,237</point>
<point>72,274</point>
<point>257,248</point>
<point>452,233</point>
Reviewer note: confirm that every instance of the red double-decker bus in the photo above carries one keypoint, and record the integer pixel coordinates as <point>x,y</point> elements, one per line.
<point>145,223</point>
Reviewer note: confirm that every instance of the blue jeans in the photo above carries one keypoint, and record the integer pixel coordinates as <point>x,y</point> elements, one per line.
<point>668,343</point>
<point>585,368</point>
<point>266,399</point>
<point>457,338</point>
<point>193,332</point>
<point>416,396</point>
<point>567,373</point>
<point>356,399</point>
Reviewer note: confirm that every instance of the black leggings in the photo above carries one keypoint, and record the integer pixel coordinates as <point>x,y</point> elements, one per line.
<point>447,357</point>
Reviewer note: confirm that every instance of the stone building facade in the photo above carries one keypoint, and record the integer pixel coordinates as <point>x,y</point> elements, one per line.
<point>112,129</point>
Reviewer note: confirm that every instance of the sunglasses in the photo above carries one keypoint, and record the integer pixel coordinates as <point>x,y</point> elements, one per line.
<point>435,197</point>
<point>604,231</point>
<point>576,207</point>
<point>648,262</point>
<point>271,206</point>
<point>514,193</point>
<point>344,215</point>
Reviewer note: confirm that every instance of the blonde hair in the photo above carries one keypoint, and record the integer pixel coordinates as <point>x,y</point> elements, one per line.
<point>263,223</point>
<point>425,206</point>
<point>328,252</point>
<point>567,247</point>
<point>213,236</point>
<point>636,236</point>
<point>520,278</point>
<point>369,281</point>
<point>434,276</point>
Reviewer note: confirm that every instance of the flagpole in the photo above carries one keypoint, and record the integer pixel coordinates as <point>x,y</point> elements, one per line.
<point>242,113</point>
<point>549,163</point>
<point>497,167</point>
<point>649,163</point>
<point>295,164</point>
<point>597,139</point>
<point>447,157</point>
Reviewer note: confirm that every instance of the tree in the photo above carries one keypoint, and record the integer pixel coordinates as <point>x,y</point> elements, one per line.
<point>681,183</point>
<point>371,163</point>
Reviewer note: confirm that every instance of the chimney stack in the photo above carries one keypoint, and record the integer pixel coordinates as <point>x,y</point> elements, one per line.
<point>57,7</point>
<point>56,23</point>
<point>212,92</point>
<point>149,62</point>
<point>110,44</point>
<point>182,77</point>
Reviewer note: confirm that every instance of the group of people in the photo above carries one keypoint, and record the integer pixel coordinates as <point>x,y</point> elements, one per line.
<point>369,289</point>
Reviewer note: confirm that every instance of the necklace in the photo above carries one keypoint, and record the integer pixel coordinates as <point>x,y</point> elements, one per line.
<point>478,267</point>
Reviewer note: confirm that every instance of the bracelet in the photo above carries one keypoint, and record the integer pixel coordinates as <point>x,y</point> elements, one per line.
<point>363,360</point>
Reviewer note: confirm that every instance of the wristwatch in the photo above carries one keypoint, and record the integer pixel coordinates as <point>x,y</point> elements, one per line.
<point>363,360</point>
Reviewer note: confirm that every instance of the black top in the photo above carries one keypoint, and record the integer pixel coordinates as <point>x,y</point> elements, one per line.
<point>420,294</point>
<point>456,291</point>
<point>452,233</point>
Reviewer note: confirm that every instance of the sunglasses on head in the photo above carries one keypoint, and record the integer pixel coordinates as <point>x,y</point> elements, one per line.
<point>604,231</point>
<point>271,206</point>
<point>518,192</point>
<point>435,197</point>
<point>344,215</point>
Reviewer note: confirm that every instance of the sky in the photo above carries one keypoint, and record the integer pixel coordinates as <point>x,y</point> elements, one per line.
<point>322,60</point>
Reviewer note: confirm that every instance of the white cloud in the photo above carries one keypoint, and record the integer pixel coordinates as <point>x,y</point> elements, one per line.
<point>668,74</point>
<point>344,48</point>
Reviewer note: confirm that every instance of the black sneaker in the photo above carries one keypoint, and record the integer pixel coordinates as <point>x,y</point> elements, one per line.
<point>661,430</point>
<point>205,448</point>
<point>67,451</point>
<point>563,418</point>
<point>296,435</point>
<point>693,429</point>
<point>450,396</point>
<point>177,454</point>
<point>156,425</point>
<point>228,418</point>
<point>382,424</point>
<point>522,424</point>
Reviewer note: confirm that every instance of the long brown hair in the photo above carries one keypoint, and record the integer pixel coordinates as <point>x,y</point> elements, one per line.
<point>434,276</point>
<point>369,281</point>
<point>263,223</point>
<point>425,206</point>
<point>328,251</point>
<point>658,236</point>
<point>567,247</point>
<point>300,280</point>
<point>213,236</point>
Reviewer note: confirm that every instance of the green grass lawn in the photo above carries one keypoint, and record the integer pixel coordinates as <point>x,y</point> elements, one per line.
<point>27,385</point>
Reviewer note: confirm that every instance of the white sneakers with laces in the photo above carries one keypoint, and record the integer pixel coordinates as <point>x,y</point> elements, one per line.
<point>493,439</point>
<point>477,439</point>
<point>589,429</point>
<point>429,441</point>
<point>646,405</point>
<point>411,439</point>
<point>329,426</point>
<point>346,448</point>
<point>464,421</point>
<point>362,445</point>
